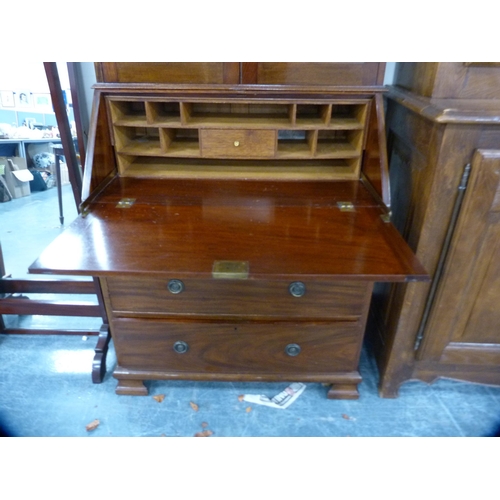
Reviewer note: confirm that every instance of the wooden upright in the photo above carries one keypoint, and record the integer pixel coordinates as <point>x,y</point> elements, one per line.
<point>237,217</point>
<point>443,123</point>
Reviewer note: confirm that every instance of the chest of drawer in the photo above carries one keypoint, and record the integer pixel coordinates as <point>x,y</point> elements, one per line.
<point>237,143</point>
<point>236,347</point>
<point>239,298</point>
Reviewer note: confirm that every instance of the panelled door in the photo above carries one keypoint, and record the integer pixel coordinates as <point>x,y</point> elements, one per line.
<point>464,323</point>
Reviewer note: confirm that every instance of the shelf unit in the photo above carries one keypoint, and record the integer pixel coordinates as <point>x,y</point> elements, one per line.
<point>290,140</point>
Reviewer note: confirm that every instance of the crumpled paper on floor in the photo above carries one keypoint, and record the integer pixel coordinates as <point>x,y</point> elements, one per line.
<point>281,401</point>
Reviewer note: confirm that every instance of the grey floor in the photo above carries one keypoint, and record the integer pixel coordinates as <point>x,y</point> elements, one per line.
<point>46,388</point>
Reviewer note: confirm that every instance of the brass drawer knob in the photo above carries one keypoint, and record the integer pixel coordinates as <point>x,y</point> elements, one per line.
<point>297,289</point>
<point>292,349</point>
<point>175,286</point>
<point>181,347</point>
<point>236,144</point>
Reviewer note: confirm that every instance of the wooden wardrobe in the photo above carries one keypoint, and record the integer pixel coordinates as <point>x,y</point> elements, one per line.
<point>443,124</point>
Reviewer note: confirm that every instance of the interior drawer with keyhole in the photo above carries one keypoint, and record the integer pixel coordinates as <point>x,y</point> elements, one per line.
<point>236,347</point>
<point>342,301</point>
<point>239,143</point>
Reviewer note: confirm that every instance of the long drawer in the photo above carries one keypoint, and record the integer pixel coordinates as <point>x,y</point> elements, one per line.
<point>242,298</point>
<point>236,347</point>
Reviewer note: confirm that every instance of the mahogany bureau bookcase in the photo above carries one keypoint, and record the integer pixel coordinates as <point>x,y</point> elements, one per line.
<point>236,217</point>
<point>443,122</point>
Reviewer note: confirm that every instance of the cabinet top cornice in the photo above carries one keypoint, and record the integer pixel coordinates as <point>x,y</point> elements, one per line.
<point>458,111</point>
<point>243,90</point>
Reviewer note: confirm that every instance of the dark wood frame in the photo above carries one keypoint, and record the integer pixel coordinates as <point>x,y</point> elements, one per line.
<point>14,300</point>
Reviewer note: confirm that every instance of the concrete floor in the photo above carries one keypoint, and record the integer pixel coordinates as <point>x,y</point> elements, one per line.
<point>46,387</point>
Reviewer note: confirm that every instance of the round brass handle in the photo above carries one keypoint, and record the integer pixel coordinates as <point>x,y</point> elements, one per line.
<point>297,289</point>
<point>292,349</point>
<point>175,286</point>
<point>236,143</point>
<point>181,347</point>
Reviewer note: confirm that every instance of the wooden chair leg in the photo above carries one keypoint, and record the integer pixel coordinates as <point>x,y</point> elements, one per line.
<point>13,301</point>
<point>101,351</point>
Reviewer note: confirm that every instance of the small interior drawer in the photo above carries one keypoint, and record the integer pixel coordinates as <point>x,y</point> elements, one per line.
<point>247,298</point>
<point>235,347</point>
<point>239,143</point>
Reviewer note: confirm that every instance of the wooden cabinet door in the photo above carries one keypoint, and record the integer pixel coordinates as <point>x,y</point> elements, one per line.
<point>168,72</point>
<point>313,73</point>
<point>350,74</point>
<point>464,323</point>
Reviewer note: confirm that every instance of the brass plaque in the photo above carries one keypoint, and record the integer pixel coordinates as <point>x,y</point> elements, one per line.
<point>230,269</point>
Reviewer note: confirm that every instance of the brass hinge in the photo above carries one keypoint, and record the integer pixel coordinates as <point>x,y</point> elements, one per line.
<point>346,206</point>
<point>386,217</point>
<point>125,203</point>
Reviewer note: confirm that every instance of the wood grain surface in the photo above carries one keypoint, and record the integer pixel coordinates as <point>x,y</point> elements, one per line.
<point>239,347</point>
<point>282,230</point>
